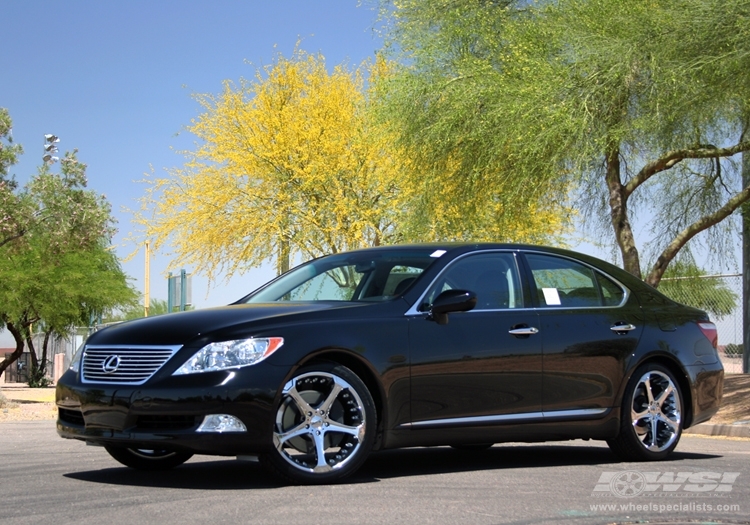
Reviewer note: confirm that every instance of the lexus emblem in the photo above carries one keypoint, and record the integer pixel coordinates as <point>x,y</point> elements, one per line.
<point>111,364</point>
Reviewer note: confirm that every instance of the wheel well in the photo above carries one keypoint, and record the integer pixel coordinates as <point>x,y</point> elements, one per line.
<point>683,383</point>
<point>363,372</point>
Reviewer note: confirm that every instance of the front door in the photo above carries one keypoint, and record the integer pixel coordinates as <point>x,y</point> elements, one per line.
<point>485,365</point>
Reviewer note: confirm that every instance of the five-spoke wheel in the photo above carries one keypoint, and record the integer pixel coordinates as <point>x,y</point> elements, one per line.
<point>651,415</point>
<point>324,427</point>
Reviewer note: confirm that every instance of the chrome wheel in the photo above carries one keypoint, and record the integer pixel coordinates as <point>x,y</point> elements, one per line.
<point>651,418</point>
<point>322,427</point>
<point>656,411</point>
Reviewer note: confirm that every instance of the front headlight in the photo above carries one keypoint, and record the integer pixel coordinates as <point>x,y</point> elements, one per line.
<point>230,354</point>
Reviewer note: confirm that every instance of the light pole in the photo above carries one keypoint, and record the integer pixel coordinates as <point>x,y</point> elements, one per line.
<point>50,148</point>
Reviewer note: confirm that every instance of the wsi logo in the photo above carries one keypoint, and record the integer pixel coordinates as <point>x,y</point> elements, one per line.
<point>632,483</point>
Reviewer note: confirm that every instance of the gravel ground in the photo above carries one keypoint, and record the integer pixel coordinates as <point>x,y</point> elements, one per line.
<point>28,404</point>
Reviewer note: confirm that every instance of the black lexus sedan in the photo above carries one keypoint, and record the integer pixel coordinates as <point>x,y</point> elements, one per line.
<point>463,345</point>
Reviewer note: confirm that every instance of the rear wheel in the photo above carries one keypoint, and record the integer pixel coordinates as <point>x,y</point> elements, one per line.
<point>324,428</point>
<point>147,459</point>
<point>651,422</point>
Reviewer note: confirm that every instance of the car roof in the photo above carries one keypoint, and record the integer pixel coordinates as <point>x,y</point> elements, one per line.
<point>456,248</point>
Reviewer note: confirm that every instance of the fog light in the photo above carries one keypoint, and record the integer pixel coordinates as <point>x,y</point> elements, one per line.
<point>221,423</point>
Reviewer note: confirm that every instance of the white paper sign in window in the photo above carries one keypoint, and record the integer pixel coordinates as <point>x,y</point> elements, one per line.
<point>551,297</point>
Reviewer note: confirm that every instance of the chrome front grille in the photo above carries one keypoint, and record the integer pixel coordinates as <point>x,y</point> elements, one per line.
<point>123,365</point>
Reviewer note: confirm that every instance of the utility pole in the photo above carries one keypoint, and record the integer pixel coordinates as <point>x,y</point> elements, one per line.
<point>147,282</point>
<point>746,267</point>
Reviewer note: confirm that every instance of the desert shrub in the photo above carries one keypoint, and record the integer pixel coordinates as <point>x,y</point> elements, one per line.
<point>733,349</point>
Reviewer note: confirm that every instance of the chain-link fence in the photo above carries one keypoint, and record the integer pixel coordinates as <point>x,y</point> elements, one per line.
<point>721,297</point>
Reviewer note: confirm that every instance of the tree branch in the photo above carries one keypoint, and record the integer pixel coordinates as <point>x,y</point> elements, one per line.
<point>682,238</point>
<point>12,238</point>
<point>674,157</point>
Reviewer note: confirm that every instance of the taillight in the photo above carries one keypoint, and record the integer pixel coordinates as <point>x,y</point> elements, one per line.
<point>709,330</point>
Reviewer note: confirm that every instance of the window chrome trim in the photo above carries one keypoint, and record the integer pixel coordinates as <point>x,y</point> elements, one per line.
<point>414,311</point>
<point>554,415</point>
<point>626,290</point>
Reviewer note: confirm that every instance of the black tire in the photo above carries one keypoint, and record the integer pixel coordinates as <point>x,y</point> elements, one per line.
<point>143,459</point>
<point>324,428</point>
<point>651,420</point>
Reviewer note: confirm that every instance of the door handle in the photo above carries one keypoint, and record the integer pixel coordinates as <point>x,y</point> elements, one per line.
<point>622,327</point>
<point>524,330</point>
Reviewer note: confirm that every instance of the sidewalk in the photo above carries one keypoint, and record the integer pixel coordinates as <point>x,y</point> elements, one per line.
<point>739,429</point>
<point>15,386</point>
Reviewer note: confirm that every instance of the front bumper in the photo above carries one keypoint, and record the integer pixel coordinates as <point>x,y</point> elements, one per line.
<point>166,414</point>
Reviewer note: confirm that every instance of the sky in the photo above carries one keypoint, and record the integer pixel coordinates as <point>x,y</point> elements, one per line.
<point>115,80</point>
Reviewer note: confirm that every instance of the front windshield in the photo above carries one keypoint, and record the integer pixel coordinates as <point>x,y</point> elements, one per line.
<point>369,275</point>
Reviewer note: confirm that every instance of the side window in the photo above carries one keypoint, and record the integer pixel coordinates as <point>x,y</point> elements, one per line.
<point>611,293</point>
<point>399,279</point>
<point>492,276</point>
<point>562,282</point>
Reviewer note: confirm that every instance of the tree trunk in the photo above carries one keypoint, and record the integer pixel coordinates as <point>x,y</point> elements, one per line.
<point>282,260</point>
<point>45,344</point>
<point>618,205</point>
<point>32,352</point>
<point>38,372</point>
<point>16,333</point>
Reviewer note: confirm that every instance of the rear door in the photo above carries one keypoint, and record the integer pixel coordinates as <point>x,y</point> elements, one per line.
<point>589,325</point>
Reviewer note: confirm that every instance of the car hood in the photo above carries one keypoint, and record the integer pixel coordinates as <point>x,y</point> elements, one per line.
<point>182,327</point>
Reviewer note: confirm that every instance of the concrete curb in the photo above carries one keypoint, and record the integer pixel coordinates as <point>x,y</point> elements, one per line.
<point>708,429</point>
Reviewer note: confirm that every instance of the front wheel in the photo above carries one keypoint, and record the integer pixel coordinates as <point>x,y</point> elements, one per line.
<point>147,459</point>
<point>324,428</point>
<point>651,421</point>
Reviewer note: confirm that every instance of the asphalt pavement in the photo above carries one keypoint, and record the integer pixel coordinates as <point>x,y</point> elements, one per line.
<point>46,479</point>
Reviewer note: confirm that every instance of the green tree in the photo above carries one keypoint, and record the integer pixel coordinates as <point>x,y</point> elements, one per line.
<point>8,151</point>
<point>56,267</point>
<point>638,106</point>
<point>448,104</point>
<point>688,284</point>
<point>70,290</point>
<point>135,311</point>
<point>12,208</point>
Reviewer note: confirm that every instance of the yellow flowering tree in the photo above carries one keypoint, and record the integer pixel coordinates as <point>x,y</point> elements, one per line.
<point>288,167</point>
<point>296,163</point>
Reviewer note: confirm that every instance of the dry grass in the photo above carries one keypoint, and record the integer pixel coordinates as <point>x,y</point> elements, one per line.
<point>3,401</point>
<point>735,404</point>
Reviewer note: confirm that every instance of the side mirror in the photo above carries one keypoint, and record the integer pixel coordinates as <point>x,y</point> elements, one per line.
<point>451,301</point>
